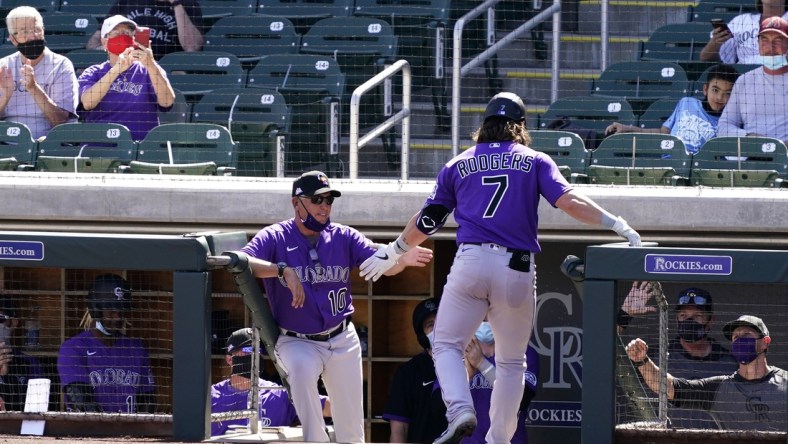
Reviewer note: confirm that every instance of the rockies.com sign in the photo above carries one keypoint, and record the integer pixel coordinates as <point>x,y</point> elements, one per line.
<point>688,264</point>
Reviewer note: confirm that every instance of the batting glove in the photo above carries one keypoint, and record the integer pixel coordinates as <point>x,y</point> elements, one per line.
<point>622,228</point>
<point>377,264</point>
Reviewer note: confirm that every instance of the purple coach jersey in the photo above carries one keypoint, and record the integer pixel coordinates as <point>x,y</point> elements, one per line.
<point>276,410</point>
<point>117,373</point>
<point>494,189</point>
<point>326,278</point>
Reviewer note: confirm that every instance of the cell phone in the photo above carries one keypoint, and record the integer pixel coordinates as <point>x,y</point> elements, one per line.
<point>719,23</point>
<point>142,36</point>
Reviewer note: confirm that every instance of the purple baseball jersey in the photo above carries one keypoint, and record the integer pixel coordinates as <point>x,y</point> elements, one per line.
<point>276,410</point>
<point>117,373</point>
<point>481,391</point>
<point>494,188</point>
<point>324,274</point>
<point>130,101</point>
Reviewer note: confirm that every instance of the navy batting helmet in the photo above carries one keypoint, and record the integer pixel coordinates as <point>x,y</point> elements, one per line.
<point>109,292</point>
<point>425,308</point>
<point>506,104</point>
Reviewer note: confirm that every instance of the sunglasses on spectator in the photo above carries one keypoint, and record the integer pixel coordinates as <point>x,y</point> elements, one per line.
<point>318,200</point>
<point>692,299</point>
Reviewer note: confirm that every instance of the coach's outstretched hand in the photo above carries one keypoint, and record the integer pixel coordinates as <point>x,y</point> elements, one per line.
<point>380,262</point>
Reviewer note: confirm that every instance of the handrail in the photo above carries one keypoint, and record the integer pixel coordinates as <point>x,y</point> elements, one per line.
<point>403,115</point>
<point>458,71</point>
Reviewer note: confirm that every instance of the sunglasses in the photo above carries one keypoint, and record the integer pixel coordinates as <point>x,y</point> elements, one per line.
<point>318,200</point>
<point>692,299</point>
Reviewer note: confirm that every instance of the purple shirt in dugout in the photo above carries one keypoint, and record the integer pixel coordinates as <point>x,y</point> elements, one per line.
<point>481,392</point>
<point>117,373</point>
<point>276,410</point>
<point>130,101</point>
<point>326,281</point>
<point>494,189</point>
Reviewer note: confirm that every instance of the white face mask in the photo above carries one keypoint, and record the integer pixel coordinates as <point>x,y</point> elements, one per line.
<point>484,333</point>
<point>774,62</point>
<point>431,337</point>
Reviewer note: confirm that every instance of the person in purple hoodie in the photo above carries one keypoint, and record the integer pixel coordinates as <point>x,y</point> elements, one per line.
<point>493,189</point>
<point>101,369</point>
<point>275,408</point>
<point>130,88</point>
<point>305,263</point>
<point>480,365</point>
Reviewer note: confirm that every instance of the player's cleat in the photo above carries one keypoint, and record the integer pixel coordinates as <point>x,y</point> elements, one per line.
<point>459,428</point>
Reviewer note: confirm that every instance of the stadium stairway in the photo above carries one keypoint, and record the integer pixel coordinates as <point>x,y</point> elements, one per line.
<point>631,22</point>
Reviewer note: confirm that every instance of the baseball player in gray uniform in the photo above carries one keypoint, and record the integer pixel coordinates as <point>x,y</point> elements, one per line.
<point>493,189</point>
<point>753,398</point>
<point>305,264</point>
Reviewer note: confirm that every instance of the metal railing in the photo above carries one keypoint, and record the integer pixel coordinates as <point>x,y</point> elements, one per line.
<point>459,71</point>
<point>403,115</point>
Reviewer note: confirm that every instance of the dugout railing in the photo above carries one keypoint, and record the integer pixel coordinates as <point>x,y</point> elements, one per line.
<point>187,258</point>
<point>605,266</point>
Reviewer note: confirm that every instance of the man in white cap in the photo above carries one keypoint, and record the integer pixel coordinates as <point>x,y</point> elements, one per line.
<point>130,88</point>
<point>753,398</point>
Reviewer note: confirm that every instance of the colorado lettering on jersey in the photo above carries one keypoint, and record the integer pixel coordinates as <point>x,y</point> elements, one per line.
<point>123,86</point>
<point>114,376</point>
<point>480,382</point>
<point>493,162</point>
<point>319,274</point>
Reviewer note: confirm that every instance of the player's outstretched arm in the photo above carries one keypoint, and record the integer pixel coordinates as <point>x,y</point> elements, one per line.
<point>584,209</point>
<point>385,258</point>
<point>637,351</point>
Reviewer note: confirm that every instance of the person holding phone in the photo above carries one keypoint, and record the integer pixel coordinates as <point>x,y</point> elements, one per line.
<point>737,42</point>
<point>130,88</point>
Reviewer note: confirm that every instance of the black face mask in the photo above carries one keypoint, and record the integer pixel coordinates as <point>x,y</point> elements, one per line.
<point>32,49</point>
<point>242,365</point>
<point>692,331</point>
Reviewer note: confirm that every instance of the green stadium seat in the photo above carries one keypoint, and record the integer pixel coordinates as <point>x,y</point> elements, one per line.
<point>213,10</point>
<point>258,120</point>
<point>66,32</point>
<point>251,37</point>
<point>677,42</point>
<point>697,90</point>
<point>17,147</point>
<point>741,162</point>
<point>180,112</point>
<point>86,147</point>
<point>305,13</point>
<point>421,29</point>
<point>642,80</point>
<point>312,86</point>
<point>589,112</point>
<point>97,8</point>
<point>198,73</point>
<point>657,113</point>
<point>85,58</point>
<point>566,149</point>
<point>706,10</point>
<point>186,148</point>
<point>640,159</point>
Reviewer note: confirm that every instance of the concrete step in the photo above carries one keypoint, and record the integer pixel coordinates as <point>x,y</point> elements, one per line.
<point>628,17</point>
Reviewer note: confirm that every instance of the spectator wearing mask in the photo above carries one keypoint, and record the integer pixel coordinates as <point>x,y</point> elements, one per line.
<point>38,86</point>
<point>130,88</point>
